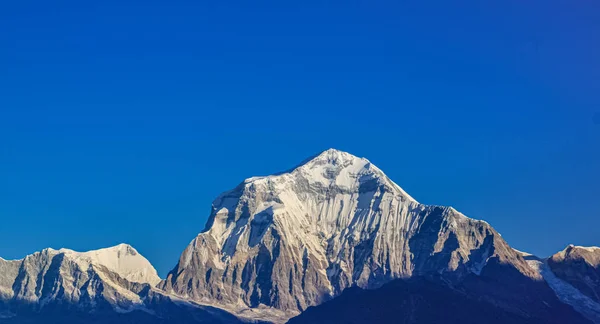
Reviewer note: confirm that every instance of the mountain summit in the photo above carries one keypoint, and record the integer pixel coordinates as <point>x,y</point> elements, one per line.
<point>298,238</point>
<point>336,168</point>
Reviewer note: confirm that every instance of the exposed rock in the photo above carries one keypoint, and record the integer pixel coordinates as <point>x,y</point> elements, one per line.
<point>580,267</point>
<point>565,292</point>
<point>277,245</point>
<point>299,238</point>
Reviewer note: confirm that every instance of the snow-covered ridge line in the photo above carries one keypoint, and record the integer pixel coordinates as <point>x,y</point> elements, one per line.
<point>12,260</point>
<point>122,259</point>
<point>574,249</point>
<point>525,254</point>
<point>315,167</point>
<point>587,248</point>
<point>562,252</point>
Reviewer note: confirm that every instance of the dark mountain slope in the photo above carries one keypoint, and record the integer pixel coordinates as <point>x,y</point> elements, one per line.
<point>427,301</point>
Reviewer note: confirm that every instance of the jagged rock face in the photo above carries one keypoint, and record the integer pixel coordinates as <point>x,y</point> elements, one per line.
<point>9,269</point>
<point>580,267</point>
<point>296,239</point>
<point>69,277</point>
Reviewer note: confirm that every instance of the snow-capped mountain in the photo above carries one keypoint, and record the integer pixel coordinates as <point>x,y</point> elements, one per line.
<point>122,259</point>
<point>114,285</point>
<point>277,245</point>
<point>296,239</point>
<point>65,275</point>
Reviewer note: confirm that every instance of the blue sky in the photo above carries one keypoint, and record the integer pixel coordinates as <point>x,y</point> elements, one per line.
<point>121,121</point>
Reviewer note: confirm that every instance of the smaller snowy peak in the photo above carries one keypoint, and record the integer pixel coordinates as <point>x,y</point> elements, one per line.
<point>576,248</point>
<point>591,254</point>
<point>122,259</point>
<point>586,248</point>
<point>118,250</point>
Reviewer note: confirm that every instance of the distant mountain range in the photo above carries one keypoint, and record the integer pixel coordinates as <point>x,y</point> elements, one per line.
<point>333,240</point>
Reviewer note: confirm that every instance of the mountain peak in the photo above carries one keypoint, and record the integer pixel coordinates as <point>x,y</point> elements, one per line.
<point>332,168</point>
<point>121,248</point>
<point>586,248</point>
<point>572,249</point>
<point>590,254</point>
<point>333,157</point>
<point>335,167</point>
<point>122,259</point>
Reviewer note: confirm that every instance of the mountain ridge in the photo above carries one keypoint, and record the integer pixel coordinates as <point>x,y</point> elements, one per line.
<point>276,245</point>
<point>338,221</point>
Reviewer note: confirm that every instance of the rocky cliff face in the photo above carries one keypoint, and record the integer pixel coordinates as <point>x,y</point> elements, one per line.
<point>85,279</point>
<point>580,267</point>
<point>567,276</point>
<point>296,239</point>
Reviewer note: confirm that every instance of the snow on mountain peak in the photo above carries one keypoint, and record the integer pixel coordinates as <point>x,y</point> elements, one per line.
<point>122,259</point>
<point>306,192</point>
<point>333,168</point>
<point>335,157</point>
<point>590,254</point>
<point>586,248</point>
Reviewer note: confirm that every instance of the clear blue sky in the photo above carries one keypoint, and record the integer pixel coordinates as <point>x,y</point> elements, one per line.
<point>121,121</point>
